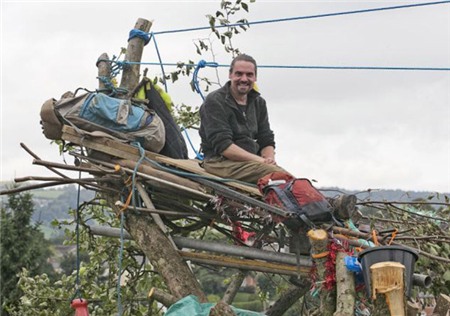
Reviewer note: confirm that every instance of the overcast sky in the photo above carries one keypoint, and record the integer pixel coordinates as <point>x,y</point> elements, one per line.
<point>354,129</point>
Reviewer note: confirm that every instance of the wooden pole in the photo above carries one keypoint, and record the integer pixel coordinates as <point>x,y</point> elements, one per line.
<point>104,70</point>
<point>130,74</point>
<point>387,278</point>
<point>319,252</point>
<point>345,287</point>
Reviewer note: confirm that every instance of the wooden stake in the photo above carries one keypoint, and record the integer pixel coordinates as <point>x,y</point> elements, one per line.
<point>130,75</point>
<point>387,278</point>
<point>104,70</point>
<point>345,287</point>
<point>319,252</point>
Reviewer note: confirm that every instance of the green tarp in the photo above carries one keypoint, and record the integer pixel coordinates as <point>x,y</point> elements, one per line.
<point>190,306</point>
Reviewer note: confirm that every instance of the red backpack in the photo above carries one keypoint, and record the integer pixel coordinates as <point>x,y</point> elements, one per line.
<point>298,196</point>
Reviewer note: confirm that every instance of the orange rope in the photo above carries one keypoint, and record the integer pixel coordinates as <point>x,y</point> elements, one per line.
<point>394,234</point>
<point>127,202</point>
<point>374,237</point>
<point>320,255</point>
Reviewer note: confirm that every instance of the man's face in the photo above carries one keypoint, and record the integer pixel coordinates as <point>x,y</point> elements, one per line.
<point>242,77</point>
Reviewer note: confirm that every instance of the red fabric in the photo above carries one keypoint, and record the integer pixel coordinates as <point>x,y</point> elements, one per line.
<point>240,233</point>
<point>80,307</point>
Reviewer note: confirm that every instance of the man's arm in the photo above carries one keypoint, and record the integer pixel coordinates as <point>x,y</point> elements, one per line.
<point>236,153</point>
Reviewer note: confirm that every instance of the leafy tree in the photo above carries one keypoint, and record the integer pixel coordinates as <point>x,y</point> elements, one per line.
<point>22,246</point>
<point>97,277</point>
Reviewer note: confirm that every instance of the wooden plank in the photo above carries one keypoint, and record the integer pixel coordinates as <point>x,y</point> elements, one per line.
<point>123,150</point>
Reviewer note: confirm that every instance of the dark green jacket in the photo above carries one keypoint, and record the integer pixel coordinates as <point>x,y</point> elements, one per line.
<point>223,123</point>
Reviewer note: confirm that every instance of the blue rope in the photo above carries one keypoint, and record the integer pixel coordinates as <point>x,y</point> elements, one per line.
<point>77,230</point>
<point>312,67</point>
<point>140,34</point>
<point>122,219</point>
<point>160,62</point>
<point>119,295</point>
<point>201,64</point>
<point>305,17</point>
<point>198,155</point>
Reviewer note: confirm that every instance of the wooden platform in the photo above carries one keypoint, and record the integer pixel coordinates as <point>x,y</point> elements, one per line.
<point>126,151</point>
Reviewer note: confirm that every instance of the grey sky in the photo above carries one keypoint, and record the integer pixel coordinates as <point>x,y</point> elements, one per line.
<point>355,129</point>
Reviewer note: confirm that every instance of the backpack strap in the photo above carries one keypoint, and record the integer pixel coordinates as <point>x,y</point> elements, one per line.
<point>284,197</point>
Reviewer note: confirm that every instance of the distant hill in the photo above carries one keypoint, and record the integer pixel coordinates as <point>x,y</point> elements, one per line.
<point>388,195</point>
<point>54,202</point>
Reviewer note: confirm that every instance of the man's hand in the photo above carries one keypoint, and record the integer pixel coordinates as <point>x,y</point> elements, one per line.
<point>270,161</point>
<point>268,153</point>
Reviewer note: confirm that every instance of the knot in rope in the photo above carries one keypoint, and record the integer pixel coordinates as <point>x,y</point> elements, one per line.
<point>141,34</point>
<point>201,64</point>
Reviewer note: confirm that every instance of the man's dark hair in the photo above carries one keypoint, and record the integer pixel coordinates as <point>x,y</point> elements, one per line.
<point>243,57</point>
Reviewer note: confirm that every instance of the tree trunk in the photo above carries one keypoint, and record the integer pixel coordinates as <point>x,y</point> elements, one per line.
<point>163,256</point>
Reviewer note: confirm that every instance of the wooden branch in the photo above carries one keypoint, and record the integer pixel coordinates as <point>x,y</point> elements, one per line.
<point>184,186</point>
<point>69,167</point>
<point>163,297</point>
<point>43,185</point>
<point>426,254</point>
<point>289,297</point>
<point>233,287</point>
<point>85,182</point>
<point>37,158</point>
<point>402,203</point>
<point>155,216</point>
